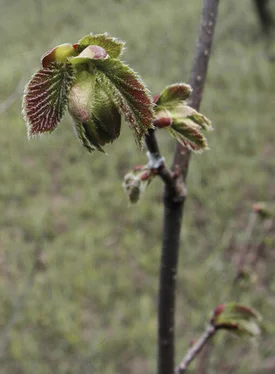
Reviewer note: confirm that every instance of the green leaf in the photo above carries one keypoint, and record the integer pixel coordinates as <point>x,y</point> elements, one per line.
<point>97,120</point>
<point>237,318</point>
<point>112,46</point>
<point>183,111</point>
<point>201,120</point>
<point>87,135</point>
<point>46,96</point>
<point>129,93</point>
<point>106,115</point>
<point>172,95</point>
<point>188,135</point>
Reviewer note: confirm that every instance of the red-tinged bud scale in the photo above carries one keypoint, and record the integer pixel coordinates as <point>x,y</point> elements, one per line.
<point>163,119</point>
<point>219,309</point>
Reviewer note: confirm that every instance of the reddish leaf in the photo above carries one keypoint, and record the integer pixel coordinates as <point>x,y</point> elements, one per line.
<point>188,135</point>
<point>173,94</point>
<point>45,97</point>
<point>129,93</point>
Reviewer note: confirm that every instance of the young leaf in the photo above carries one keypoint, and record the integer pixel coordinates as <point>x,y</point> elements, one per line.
<point>87,135</point>
<point>183,111</point>
<point>58,54</point>
<point>45,97</point>
<point>172,95</point>
<point>136,182</point>
<point>112,46</point>
<point>97,119</point>
<point>188,135</point>
<point>129,93</point>
<point>201,120</point>
<point>106,115</point>
<point>133,187</point>
<point>237,318</point>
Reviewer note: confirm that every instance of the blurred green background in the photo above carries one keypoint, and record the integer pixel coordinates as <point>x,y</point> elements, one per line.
<point>78,265</point>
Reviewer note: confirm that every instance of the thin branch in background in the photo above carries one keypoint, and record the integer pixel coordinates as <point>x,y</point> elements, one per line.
<point>173,207</point>
<point>195,349</point>
<point>267,227</point>
<point>233,317</point>
<point>203,362</point>
<point>252,222</point>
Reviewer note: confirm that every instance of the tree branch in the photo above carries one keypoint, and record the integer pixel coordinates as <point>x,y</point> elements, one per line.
<point>173,207</point>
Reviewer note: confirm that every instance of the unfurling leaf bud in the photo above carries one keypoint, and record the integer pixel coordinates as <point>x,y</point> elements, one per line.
<point>132,186</point>
<point>173,95</point>
<point>180,120</point>
<point>92,52</point>
<point>237,318</point>
<point>163,119</point>
<point>97,119</point>
<point>136,182</point>
<point>97,87</point>
<point>262,210</point>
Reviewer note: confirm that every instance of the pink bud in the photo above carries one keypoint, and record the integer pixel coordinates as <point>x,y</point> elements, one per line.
<point>219,309</point>
<point>163,119</point>
<point>94,52</point>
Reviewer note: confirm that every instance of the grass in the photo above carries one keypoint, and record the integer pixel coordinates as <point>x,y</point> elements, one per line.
<point>91,307</point>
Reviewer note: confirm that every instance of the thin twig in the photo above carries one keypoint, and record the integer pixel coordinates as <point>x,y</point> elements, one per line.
<point>195,349</point>
<point>203,362</point>
<point>252,221</point>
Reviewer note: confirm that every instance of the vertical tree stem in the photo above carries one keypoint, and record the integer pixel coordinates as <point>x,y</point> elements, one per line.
<point>173,206</point>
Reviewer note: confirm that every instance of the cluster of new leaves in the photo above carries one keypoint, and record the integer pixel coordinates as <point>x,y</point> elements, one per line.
<point>237,318</point>
<point>181,121</point>
<point>91,81</point>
